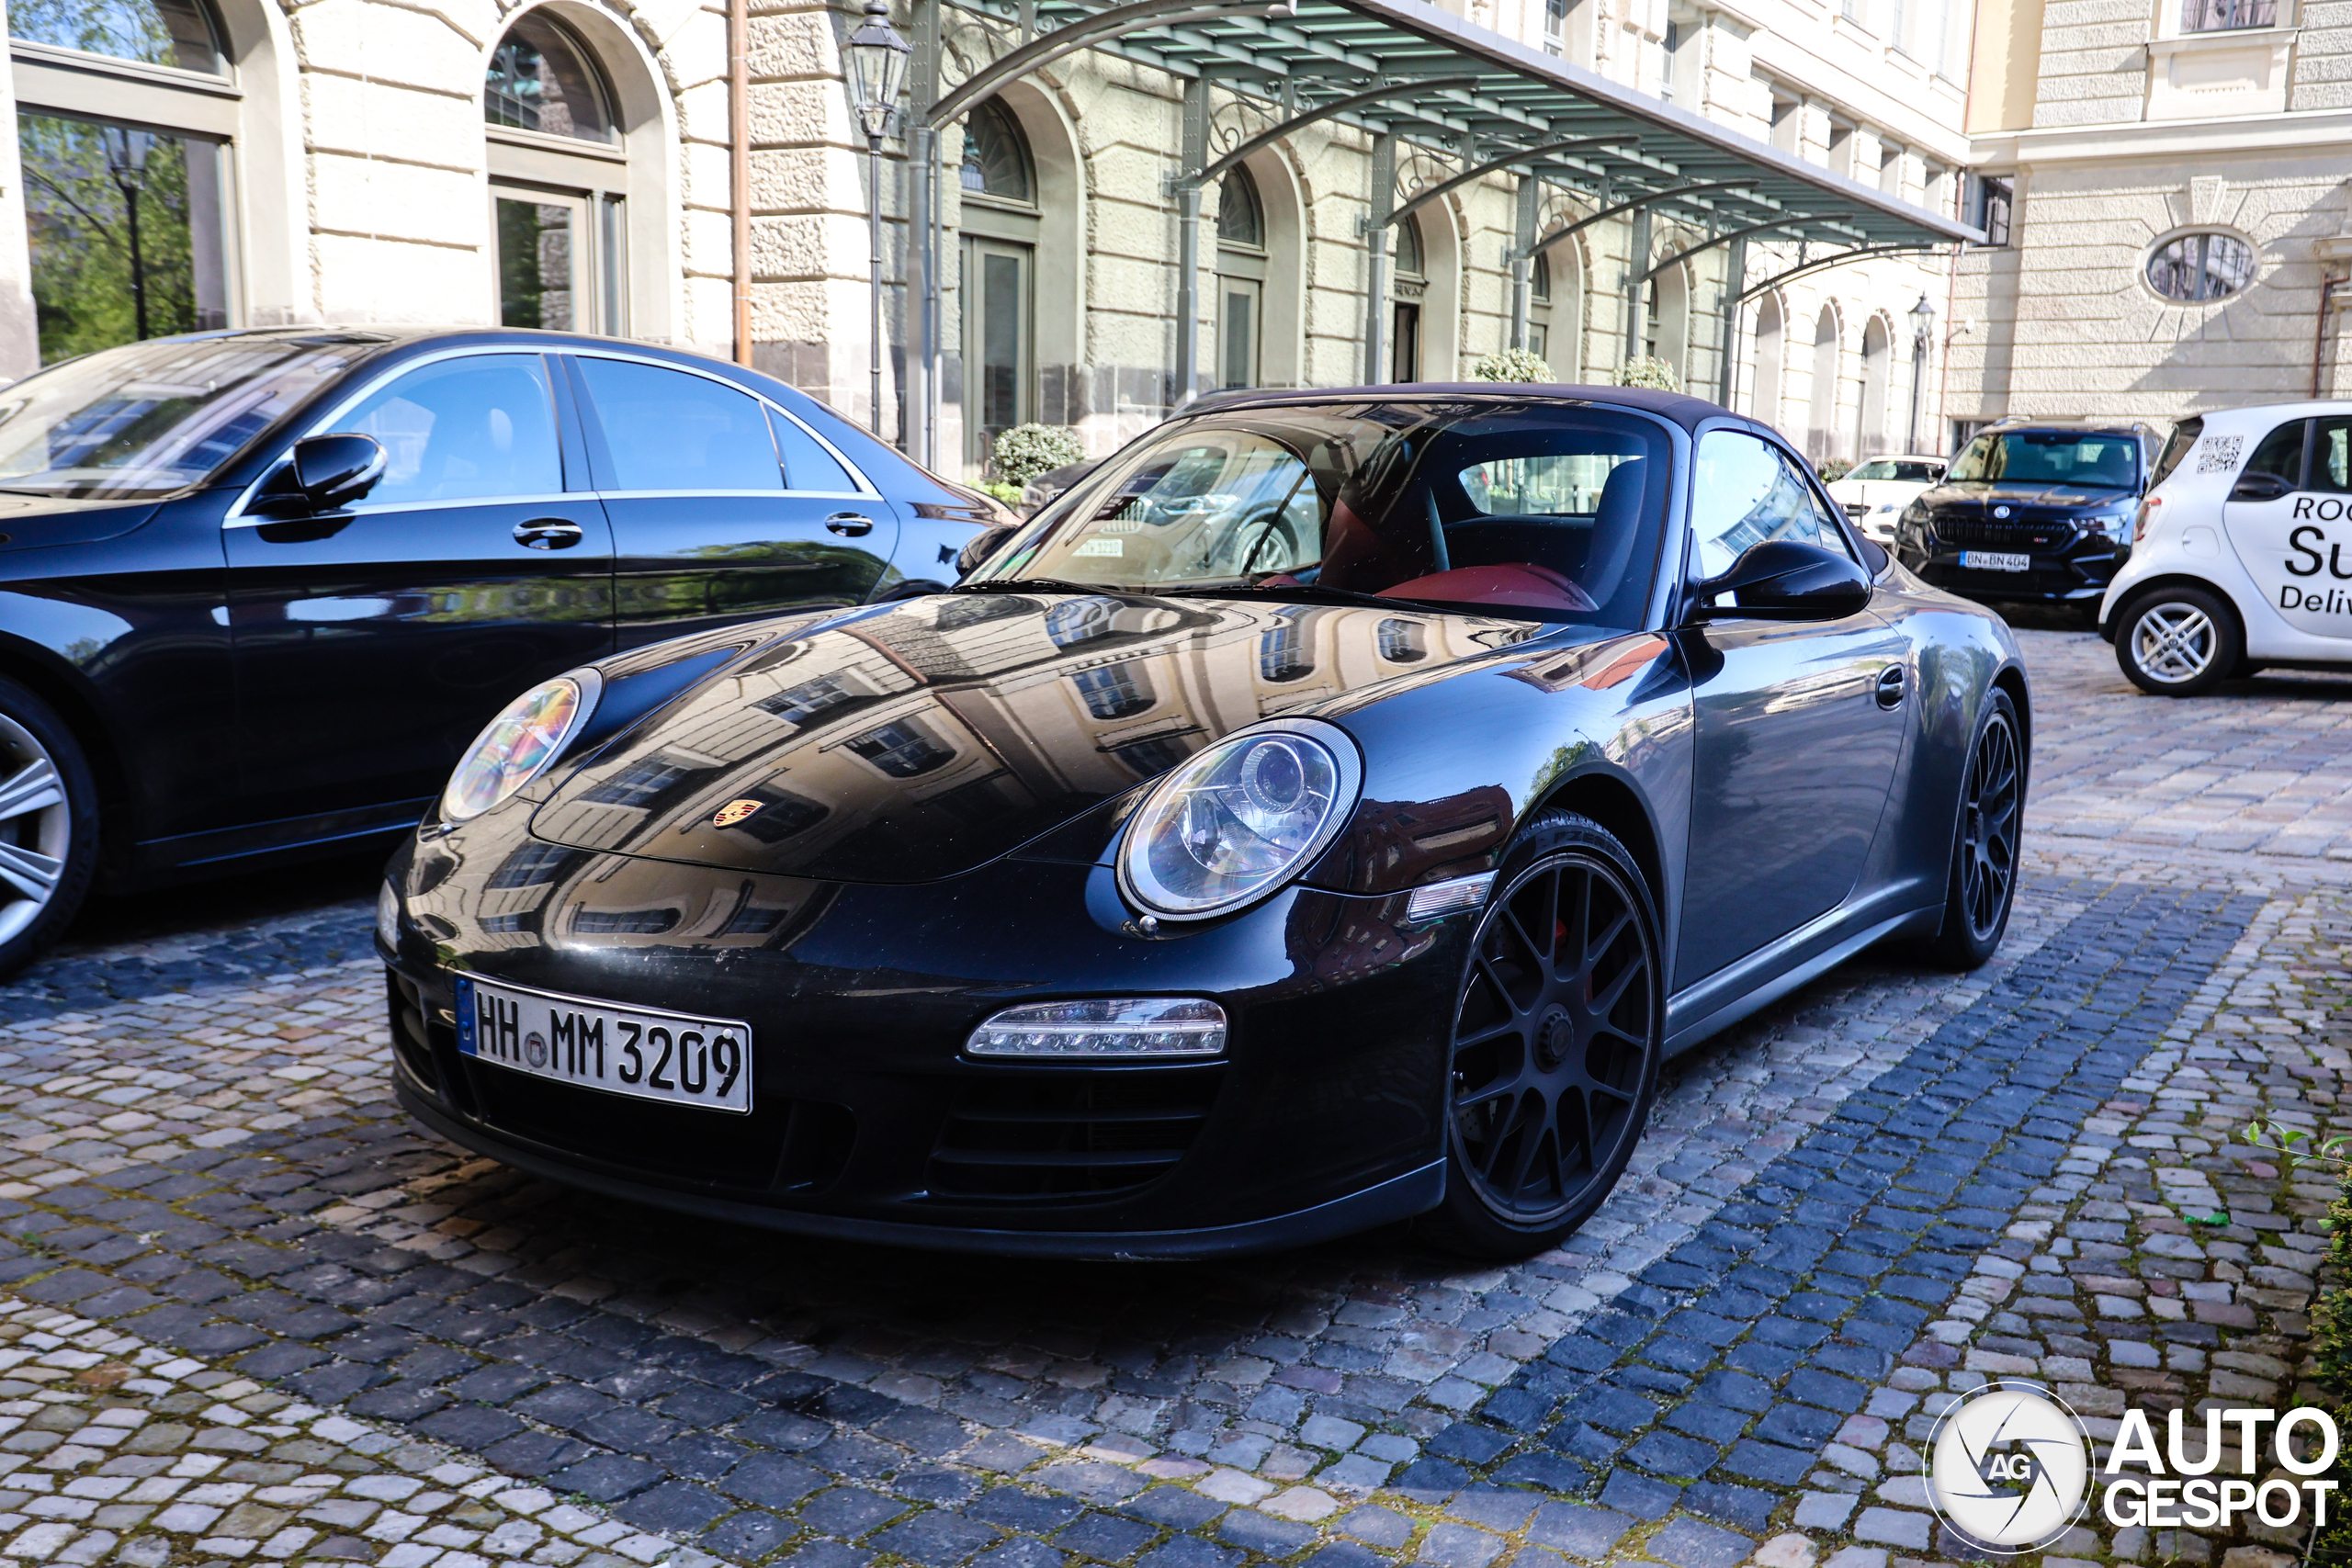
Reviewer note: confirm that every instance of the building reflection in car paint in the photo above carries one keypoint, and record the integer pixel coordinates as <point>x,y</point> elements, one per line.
<point>934,721</point>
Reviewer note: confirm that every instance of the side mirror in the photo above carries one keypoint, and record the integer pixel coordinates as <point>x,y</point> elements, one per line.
<point>335,471</point>
<point>982,545</point>
<point>2260,487</point>
<point>1785,580</point>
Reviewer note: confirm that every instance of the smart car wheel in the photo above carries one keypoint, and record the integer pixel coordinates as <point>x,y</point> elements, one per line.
<point>48,827</point>
<point>1556,1041</point>
<point>1985,844</point>
<point>2179,642</point>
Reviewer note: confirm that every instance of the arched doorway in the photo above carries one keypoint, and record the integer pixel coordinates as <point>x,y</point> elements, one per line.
<point>559,181</point>
<point>1240,281</point>
<point>1821,429</point>
<point>998,180</point>
<point>1772,352</point>
<point>126,170</point>
<point>1407,293</point>
<point>1870,427</point>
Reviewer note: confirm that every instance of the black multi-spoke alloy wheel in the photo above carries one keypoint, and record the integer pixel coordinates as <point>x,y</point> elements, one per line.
<point>2178,641</point>
<point>1556,1041</point>
<point>49,822</point>
<point>1984,844</point>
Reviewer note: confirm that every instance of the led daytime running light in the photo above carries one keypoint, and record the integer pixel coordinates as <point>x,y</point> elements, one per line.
<point>1155,1027</point>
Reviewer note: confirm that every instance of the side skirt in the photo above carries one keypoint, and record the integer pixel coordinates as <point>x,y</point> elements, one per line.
<point>1682,1036</point>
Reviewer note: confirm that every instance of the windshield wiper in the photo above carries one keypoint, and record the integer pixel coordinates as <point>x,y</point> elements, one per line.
<point>1037,585</point>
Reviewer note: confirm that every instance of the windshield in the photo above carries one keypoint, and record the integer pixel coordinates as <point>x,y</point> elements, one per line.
<point>2100,459</point>
<point>1535,509</point>
<point>151,418</point>
<point>1895,468</point>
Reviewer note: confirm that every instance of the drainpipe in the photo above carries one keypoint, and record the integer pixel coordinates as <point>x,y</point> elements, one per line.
<point>1191,159</point>
<point>739,143</point>
<point>2327,287</point>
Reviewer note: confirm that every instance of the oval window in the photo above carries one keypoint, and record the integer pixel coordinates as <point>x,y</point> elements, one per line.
<point>2199,267</point>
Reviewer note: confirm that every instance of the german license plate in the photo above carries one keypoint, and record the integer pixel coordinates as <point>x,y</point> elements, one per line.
<point>1996,561</point>
<point>673,1058</point>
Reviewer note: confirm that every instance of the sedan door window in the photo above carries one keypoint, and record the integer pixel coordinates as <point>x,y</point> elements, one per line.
<point>469,429</point>
<point>669,430</point>
<point>712,523</point>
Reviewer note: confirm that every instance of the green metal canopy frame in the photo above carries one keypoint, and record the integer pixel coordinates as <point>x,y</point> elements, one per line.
<point>1403,72</point>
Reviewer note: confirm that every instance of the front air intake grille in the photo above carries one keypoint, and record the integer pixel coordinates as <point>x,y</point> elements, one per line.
<point>412,1039</point>
<point>1038,1133</point>
<point>2006,534</point>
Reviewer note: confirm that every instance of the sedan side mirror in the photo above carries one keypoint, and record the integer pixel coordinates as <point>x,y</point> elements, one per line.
<point>1785,580</point>
<point>2260,487</point>
<point>331,471</point>
<point>982,545</point>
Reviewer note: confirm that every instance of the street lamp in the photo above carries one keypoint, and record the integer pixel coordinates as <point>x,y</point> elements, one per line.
<point>1923,321</point>
<point>877,63</point>
<point>126,153</point>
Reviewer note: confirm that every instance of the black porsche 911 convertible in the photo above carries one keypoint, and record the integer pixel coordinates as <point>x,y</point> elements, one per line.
<point>1331,810</point>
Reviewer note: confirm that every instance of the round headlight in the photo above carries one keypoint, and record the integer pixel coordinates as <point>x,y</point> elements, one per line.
<point>517,745</point>
<point>1240,819</point>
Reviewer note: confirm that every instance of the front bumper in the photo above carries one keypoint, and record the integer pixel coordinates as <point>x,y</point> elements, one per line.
<point>2076,573</point>
<point>1325,1115</point>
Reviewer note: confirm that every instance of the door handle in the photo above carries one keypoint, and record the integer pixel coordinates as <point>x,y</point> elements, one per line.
<point>850,525</point>
<point>1890,686</point>
<point>547,534</point>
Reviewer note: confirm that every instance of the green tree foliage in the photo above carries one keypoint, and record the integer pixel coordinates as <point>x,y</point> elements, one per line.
<point>78,223</point>
<point>1511,365</point>
<point>1027,450</point>
<point>1647,370</point>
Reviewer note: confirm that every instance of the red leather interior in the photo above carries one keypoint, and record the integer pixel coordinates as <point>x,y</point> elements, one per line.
<point>1530,587</point>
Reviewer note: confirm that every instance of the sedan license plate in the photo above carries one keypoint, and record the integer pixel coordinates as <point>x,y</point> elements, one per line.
<point>669,1056</point>
<point>1996,561</point>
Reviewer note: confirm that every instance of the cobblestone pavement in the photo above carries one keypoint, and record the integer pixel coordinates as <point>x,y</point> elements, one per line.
<point>330,1338</point>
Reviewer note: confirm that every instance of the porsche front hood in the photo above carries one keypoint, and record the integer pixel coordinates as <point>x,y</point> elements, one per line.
<point>923,739</point>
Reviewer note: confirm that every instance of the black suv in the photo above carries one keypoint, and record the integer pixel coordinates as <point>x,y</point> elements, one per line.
<point>2033,509</point>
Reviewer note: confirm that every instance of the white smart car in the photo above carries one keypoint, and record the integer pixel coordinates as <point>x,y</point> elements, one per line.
<point>2237,554</point>
<point>1874,493</point>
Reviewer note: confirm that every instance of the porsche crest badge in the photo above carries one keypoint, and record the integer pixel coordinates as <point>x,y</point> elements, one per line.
<point>735,811</point>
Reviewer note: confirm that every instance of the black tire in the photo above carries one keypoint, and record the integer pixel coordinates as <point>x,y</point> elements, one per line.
<point>1556,1044</point>
<point>2179,642</point>
<point>1982,887</point>
<point>48,826</point>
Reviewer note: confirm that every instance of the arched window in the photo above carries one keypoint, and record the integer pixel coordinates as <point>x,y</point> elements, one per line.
<point>1240,279</point>
<point>1240,216</point>
<point>1405,313</point>
<point>124,170</point>
<point>541,79</point>
<point>1870,420</point>
<point>1000,277</point>
<point>2200,267</point>
<point>1539,278</point>
<point>152,32</point>
<point>1764,397</point>
<point>1408,248</point>
<point>558,182</point>
<point>1821,433</point>
<point>996,156</point>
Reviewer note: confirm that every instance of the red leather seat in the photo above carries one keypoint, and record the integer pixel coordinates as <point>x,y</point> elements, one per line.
<point>1525,587</point>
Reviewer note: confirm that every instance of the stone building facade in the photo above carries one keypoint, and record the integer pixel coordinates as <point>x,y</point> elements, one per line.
<point>568,165</point>
<point>2169,179</point>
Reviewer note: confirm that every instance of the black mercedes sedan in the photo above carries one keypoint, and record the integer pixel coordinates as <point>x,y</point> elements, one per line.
<point>2036,510</point>
<point>259,589</point>
<point>1331,810</point>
